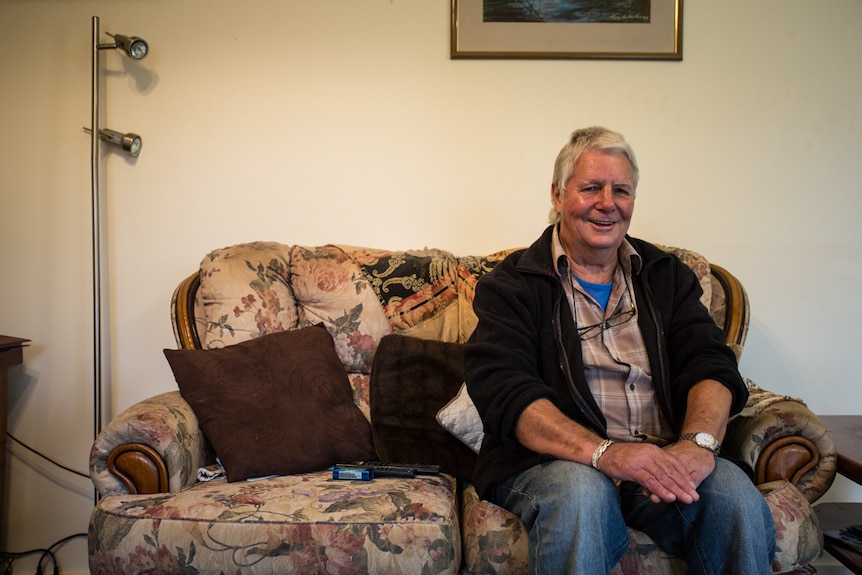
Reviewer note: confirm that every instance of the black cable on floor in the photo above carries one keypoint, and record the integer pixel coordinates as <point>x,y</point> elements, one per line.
<point>49,552</point>
<point>8,558</point>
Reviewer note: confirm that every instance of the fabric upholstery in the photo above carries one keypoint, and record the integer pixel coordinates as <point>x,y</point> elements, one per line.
<point>798,540</point>
<point>298,524</point>
<point>166,423</point>
<point>768,417</point>
<point>700,266</point>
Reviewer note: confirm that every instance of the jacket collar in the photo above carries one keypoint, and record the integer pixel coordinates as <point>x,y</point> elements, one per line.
<point>539,257</point>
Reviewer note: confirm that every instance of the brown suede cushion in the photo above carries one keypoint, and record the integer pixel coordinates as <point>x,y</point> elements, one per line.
<point>275,405</point>
<point>411,379</point>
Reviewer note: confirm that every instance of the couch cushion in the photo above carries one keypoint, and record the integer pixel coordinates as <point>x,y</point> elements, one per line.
<point>411,379</point>
<point>331,289</point>
<point>412,286</point>
<point>298,524</point>
<point>244,293</point>
<point>699,265</point>
<point>274,405</point>
<point>461,418</point>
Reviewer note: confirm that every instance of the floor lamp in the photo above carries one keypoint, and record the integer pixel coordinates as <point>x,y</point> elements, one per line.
<point>136,49</point>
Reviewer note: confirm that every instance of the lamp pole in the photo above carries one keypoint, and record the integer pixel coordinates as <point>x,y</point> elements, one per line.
<point>136,48</point>
<point>96,235</point>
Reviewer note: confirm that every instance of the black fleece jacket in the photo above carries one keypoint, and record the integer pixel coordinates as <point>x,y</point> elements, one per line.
<point>518,352</point>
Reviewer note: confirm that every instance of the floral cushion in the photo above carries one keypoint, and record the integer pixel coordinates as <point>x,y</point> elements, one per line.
<point>360,294</point>
<point>299,524</point>
<point>254,289</point>
<point>259,271</point>
<point>700,266</point>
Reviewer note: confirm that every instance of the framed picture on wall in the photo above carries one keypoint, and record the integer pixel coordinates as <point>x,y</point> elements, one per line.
<point>610,29</point>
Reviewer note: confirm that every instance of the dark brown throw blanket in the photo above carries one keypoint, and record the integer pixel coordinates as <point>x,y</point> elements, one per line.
<point>411,380</point>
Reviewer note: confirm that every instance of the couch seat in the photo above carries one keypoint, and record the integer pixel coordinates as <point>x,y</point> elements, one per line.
<point>296,524</point>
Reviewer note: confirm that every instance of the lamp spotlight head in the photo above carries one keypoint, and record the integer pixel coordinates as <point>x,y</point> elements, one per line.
<point>134,47</point>
<point>129,143</point>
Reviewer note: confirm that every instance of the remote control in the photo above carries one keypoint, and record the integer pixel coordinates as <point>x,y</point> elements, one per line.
<point>418,468</point>
<point>392,471</point>
<point>360,471</point>
<point>425,468</point>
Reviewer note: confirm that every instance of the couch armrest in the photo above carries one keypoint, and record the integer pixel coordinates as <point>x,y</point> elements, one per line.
<point>153,446</point>
<point>780,438</point>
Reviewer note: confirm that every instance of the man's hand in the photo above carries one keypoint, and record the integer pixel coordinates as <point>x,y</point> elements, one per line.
<point>698,461</point>
<point>663,473</point>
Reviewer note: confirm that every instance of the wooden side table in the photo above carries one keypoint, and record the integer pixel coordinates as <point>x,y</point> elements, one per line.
<point>11,353</point>
<point>846,432</point>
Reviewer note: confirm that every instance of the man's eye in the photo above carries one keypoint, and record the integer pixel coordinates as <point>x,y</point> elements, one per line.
<point>622,191</point>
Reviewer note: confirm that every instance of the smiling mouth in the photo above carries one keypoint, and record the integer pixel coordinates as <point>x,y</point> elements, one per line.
<point>602,224</point>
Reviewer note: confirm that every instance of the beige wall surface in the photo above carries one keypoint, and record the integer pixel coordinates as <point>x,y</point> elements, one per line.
<point>346,121</point>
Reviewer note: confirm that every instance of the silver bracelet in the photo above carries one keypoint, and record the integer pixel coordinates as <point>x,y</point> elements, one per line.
<point>600,450</point>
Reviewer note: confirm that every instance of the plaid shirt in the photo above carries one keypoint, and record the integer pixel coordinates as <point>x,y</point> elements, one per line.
<point>615,358</point>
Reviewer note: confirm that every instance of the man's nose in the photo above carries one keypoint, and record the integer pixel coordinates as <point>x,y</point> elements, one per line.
<point>605,199</point>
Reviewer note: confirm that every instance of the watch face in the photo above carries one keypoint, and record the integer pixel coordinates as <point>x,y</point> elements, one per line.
<point>705,439</point>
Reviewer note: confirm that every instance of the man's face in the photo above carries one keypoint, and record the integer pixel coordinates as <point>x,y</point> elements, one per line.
<point>596,210</point>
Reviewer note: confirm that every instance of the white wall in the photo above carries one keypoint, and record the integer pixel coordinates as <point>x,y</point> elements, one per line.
<point>345,121</point>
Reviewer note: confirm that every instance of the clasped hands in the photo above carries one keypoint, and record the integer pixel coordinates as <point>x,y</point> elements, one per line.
<point>667,474</point>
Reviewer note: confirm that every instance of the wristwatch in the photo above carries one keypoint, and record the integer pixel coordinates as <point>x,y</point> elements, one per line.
<point>703,439</point>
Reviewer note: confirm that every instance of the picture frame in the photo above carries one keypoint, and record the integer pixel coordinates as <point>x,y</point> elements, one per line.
<point>544,29</point>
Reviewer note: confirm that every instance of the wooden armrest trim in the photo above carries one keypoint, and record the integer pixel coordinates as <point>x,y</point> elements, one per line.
<point>185,312</point>
<point>787,458</point>
<point>737,313</point>
<point>139,468</point>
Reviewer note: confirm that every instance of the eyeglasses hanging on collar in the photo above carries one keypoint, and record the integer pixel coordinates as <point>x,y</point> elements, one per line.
<point>621,317</point>
<point>618,319</point>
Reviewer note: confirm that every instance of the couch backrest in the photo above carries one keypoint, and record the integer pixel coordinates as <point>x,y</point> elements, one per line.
<point>359,294</point>
<point>362,294</point>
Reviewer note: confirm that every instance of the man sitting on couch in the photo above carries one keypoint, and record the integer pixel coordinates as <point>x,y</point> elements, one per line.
<point>605,388</point>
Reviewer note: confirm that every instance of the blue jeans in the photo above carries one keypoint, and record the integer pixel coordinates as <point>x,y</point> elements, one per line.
<point>577,521</point>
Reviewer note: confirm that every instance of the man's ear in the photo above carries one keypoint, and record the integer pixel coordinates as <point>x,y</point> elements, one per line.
<point>555,194</point>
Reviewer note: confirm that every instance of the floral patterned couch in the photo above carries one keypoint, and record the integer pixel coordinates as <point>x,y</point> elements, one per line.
<point>155,516</point>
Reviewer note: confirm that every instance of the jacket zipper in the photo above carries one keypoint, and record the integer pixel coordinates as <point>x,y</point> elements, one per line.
<point>563,356</point>
<point>660,347</point>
